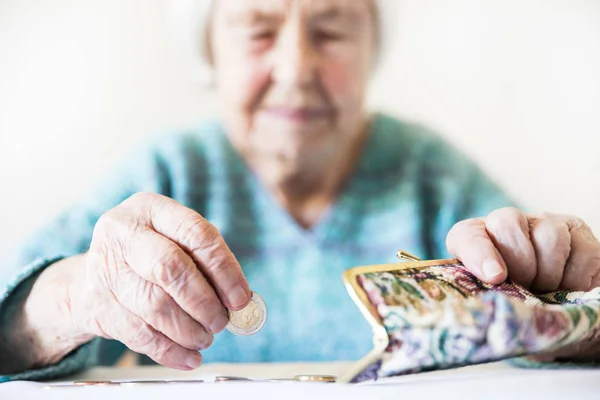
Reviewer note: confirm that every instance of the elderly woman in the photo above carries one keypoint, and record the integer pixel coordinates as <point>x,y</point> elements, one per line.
<point>294,185</point>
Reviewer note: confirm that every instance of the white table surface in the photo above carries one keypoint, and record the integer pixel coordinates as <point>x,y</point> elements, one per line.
<point>490,381</point>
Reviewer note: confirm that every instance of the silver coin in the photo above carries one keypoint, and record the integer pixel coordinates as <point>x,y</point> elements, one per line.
<point>250,319</point>
<point>53,387</point>
<point>149,382</point>
<point>231,379</point>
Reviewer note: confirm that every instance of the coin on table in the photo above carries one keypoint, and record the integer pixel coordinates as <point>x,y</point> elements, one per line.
<point>149,382</point>
<point>94,383</point>
<point>231,378</point>
<point>52,387</point>
<point>315,378</point>
<point>250,319</point>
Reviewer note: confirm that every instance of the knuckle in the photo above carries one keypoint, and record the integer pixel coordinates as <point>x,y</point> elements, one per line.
<point>546,215</point>
<point>141,198</point>
<point>168,268</point>
<point>463,227</point>
<point>457,227</point>
<point>579,225</point>
<point>106,222</point>
<point>466,224</point>
<point>162,351</point>
<point>578,222</point>
<point>507,211</point>
<point>220,261</point>
<point>207,306</point>
<point>158,302</point>
<point>546,232</point>
<point>115,223</point>
<point>144,339</point>
<point>199,232</point>
<point>506,218</point>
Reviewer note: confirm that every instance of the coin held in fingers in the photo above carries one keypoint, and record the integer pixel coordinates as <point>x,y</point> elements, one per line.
<point>250,319</point>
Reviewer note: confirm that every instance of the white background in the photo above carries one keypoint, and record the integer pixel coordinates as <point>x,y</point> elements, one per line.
<point>514,83</point>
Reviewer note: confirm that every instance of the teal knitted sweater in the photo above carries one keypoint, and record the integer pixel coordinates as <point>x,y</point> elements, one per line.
<point>408,188</point>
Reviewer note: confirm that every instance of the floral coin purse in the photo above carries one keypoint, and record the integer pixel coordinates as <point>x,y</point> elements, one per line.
<point>430,315</point>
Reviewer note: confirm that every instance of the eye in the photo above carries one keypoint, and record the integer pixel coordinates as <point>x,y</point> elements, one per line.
<point>328,36</point>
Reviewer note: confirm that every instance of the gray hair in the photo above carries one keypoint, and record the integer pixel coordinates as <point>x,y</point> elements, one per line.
<point>189,19</point>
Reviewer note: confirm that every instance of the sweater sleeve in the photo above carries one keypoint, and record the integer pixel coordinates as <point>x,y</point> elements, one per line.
<point>70,234</point>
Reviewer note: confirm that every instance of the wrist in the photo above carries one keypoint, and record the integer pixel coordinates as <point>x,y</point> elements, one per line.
<point>47,318</point>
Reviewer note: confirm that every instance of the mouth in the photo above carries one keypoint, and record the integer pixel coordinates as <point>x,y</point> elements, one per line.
<point>298,115</point>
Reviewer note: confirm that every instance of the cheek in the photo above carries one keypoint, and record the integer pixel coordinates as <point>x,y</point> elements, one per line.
<point>241,84</point>
<point>344,83</point>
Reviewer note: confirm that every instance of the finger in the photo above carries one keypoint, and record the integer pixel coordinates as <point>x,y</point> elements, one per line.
<point>132,331</point>
<point>469,242</point>
<point>157,308</point>
<point>202,241</point>
<point>163,263</point>
<point>551,240</point>
<point>508,228</point>
<point>582,271</point>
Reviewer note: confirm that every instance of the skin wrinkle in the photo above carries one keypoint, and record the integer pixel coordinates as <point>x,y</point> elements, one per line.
<point>570,264</point>
<point>174,286</point>
<point>557,249</point>
<point>506,228</point>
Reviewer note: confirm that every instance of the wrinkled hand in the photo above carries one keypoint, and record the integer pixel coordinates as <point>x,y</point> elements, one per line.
<point>158,277</point>
<point>544,253</point>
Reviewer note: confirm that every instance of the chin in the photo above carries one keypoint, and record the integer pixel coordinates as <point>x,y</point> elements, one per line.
<point>296,150</point>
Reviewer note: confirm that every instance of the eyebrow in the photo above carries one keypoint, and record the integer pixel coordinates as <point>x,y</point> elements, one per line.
<point>251,17</point>
<point>335,13</point>
<point>329,13</point>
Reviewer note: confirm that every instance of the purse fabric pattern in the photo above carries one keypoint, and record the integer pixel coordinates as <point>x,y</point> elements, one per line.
<point>442,316</point>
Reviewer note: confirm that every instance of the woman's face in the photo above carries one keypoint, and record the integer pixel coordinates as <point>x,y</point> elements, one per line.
<point>292,75</point>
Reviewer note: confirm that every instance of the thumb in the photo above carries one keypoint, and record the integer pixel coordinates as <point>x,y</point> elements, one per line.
<point>469,242</point>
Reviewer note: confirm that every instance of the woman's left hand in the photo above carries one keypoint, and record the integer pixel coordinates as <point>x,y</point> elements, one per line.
<point>543,253</point>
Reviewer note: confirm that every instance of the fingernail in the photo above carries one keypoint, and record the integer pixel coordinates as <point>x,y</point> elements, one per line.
<point>238,296</point>
<point>219,324</point>
<point>193,360</point>
<point>491,268</point>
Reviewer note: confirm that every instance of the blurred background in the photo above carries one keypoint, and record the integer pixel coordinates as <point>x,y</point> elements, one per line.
<point>513,83</point>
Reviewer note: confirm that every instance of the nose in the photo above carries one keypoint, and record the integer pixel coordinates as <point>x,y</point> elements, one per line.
<point>295,60</point>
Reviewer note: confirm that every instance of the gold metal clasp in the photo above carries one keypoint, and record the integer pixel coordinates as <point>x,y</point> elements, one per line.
<point>406,256</point>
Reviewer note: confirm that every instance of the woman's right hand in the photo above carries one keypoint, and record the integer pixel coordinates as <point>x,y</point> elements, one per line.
<point>158,277</point>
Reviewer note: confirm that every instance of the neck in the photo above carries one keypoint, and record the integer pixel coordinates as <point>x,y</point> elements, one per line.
<point>310,187</point>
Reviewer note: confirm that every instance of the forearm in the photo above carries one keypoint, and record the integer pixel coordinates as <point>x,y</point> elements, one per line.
<point>36,328</point>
